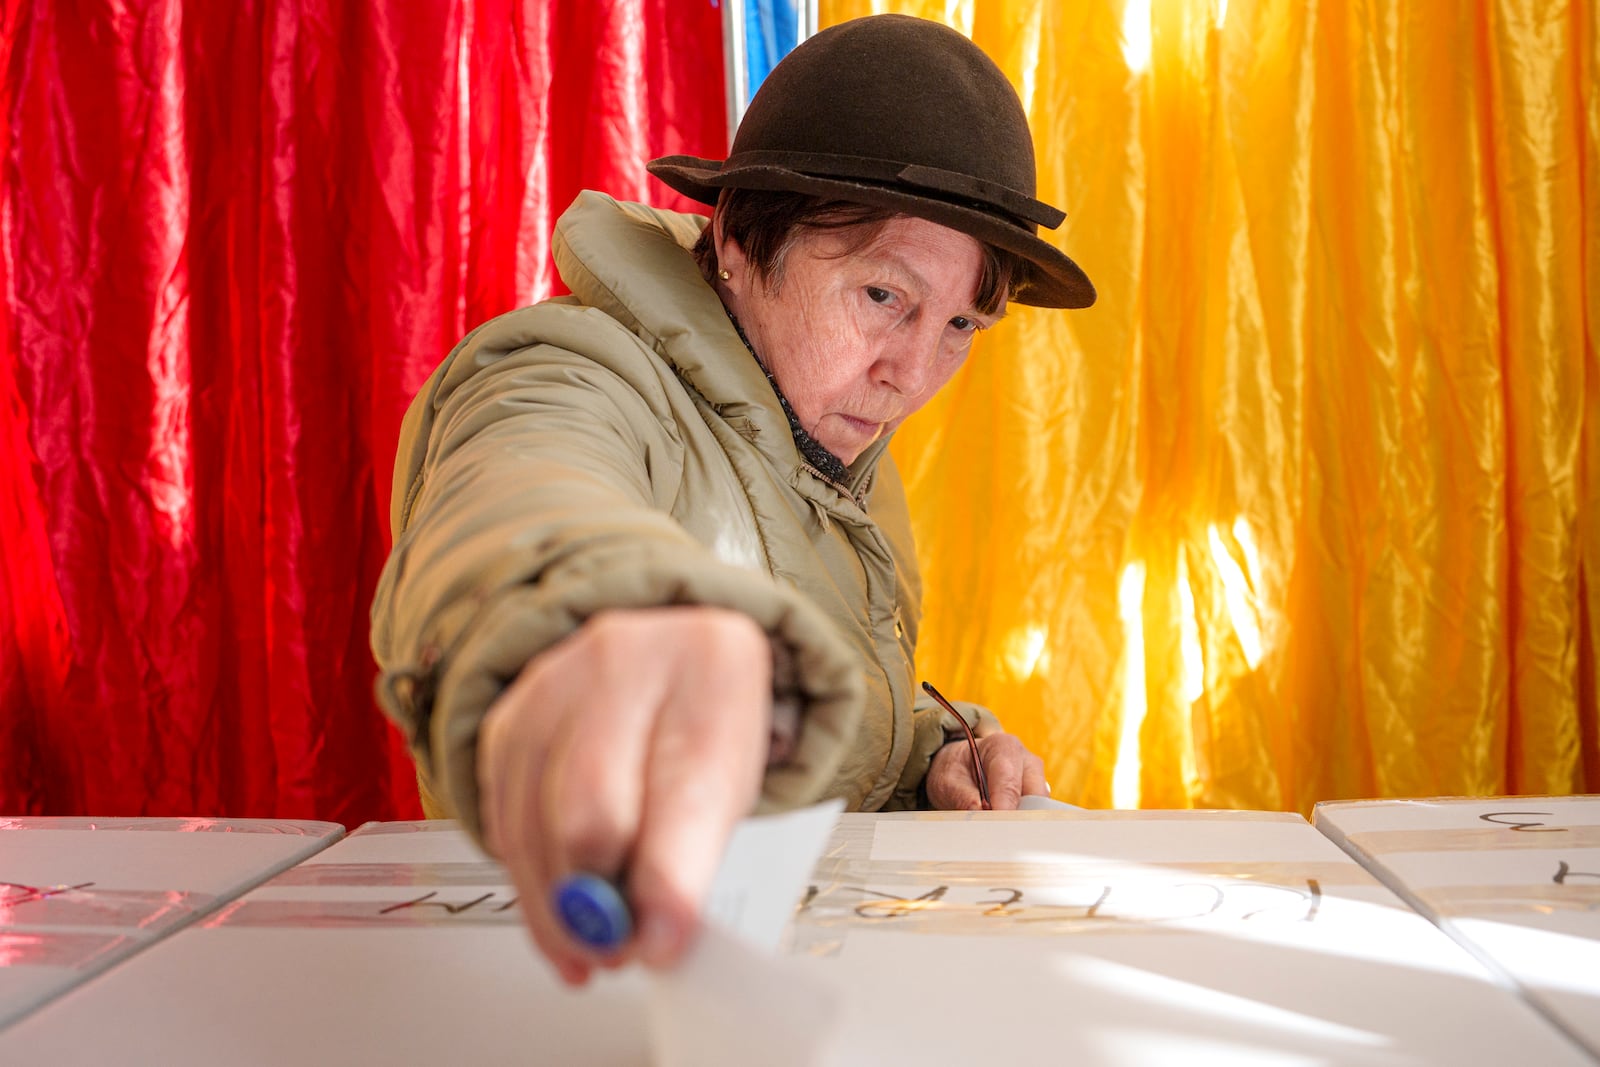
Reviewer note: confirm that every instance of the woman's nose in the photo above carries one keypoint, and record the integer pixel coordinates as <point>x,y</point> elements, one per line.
<point>905,362</point>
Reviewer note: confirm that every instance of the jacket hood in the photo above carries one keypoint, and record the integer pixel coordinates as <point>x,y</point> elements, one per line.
<point>633,262</point>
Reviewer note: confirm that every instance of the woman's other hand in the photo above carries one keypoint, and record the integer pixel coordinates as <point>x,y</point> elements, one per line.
<point>629,750</point>
<point>1012,771</point>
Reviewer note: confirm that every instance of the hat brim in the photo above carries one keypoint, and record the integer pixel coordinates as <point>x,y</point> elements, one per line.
<point>1055,280</point>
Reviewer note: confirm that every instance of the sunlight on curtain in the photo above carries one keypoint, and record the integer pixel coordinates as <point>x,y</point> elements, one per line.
<point>1136,35</point>
<point>1130,603</point>
<point>1304,507</point>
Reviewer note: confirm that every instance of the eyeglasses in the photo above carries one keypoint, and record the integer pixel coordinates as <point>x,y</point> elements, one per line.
<point>972,744</point>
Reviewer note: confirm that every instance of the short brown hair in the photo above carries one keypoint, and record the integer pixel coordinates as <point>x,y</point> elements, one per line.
<point>765,224</point>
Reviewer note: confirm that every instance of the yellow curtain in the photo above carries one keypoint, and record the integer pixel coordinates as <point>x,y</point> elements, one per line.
<point>1305,506</point>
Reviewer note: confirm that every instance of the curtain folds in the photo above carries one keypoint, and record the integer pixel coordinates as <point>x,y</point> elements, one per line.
<point>1306,506</point>
<point>236,238</point>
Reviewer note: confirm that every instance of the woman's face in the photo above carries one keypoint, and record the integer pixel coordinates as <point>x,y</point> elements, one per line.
<point>859,340</point>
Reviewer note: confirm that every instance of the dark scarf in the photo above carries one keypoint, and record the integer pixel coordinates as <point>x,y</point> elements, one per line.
<point>826,463</point>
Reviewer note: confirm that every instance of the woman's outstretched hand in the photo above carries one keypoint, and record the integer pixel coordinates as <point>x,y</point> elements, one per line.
<point>628,751</point>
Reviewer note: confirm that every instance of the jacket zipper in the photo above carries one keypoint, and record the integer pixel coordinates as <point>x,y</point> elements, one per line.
<point>860,498</point>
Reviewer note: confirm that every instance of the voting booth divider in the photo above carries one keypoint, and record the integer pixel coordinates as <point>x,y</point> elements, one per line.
<point>1394,932</point>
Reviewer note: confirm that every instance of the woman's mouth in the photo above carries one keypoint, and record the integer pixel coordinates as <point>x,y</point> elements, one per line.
<point>861,426</point>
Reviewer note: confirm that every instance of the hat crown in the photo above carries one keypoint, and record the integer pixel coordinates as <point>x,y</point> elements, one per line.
<point>906,115</point>
<point>893,88</point>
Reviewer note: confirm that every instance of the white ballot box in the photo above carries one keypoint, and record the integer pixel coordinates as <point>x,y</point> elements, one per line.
<point>1144,937</point>
<point>403,943</point>
<point>1091,938</point>
<point>1515,880</point>
<point>78,895</point>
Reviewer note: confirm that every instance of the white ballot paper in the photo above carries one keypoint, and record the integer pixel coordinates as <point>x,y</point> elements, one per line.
<point>1034,802</point>
<point>734,1001</point>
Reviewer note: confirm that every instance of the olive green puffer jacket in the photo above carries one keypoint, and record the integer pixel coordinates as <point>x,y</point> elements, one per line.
<point>620,448</point>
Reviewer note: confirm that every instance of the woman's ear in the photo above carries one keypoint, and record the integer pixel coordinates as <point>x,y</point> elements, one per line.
<point>733,269</point>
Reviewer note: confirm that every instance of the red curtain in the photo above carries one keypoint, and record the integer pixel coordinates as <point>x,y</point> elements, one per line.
<point>234,240</point>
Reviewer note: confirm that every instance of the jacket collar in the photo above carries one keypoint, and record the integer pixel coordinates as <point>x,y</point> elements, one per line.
<point>633,263</point>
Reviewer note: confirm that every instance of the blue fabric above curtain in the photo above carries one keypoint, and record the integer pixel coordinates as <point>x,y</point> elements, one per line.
<point>771,30</point>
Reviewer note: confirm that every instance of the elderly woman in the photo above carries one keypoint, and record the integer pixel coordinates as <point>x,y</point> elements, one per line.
<point>653,566</point>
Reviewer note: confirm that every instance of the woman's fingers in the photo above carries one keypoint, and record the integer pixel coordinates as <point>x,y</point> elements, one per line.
<point>951,784</point>
<point>1011,770</point>
<point>1003,761</point>
<point>704,772</point>
<point>511,747</point>
<point>1033,779</point>
<point>627,751</point>
<point>593,783</point>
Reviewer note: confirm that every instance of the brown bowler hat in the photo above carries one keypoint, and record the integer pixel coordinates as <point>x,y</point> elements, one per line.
<point>903,113</point>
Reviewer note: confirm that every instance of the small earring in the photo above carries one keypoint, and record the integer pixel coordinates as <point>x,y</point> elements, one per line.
<point>723,274</point>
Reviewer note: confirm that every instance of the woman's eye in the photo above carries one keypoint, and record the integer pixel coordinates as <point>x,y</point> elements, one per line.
<point>878,296</point>
<point>964,324</point>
